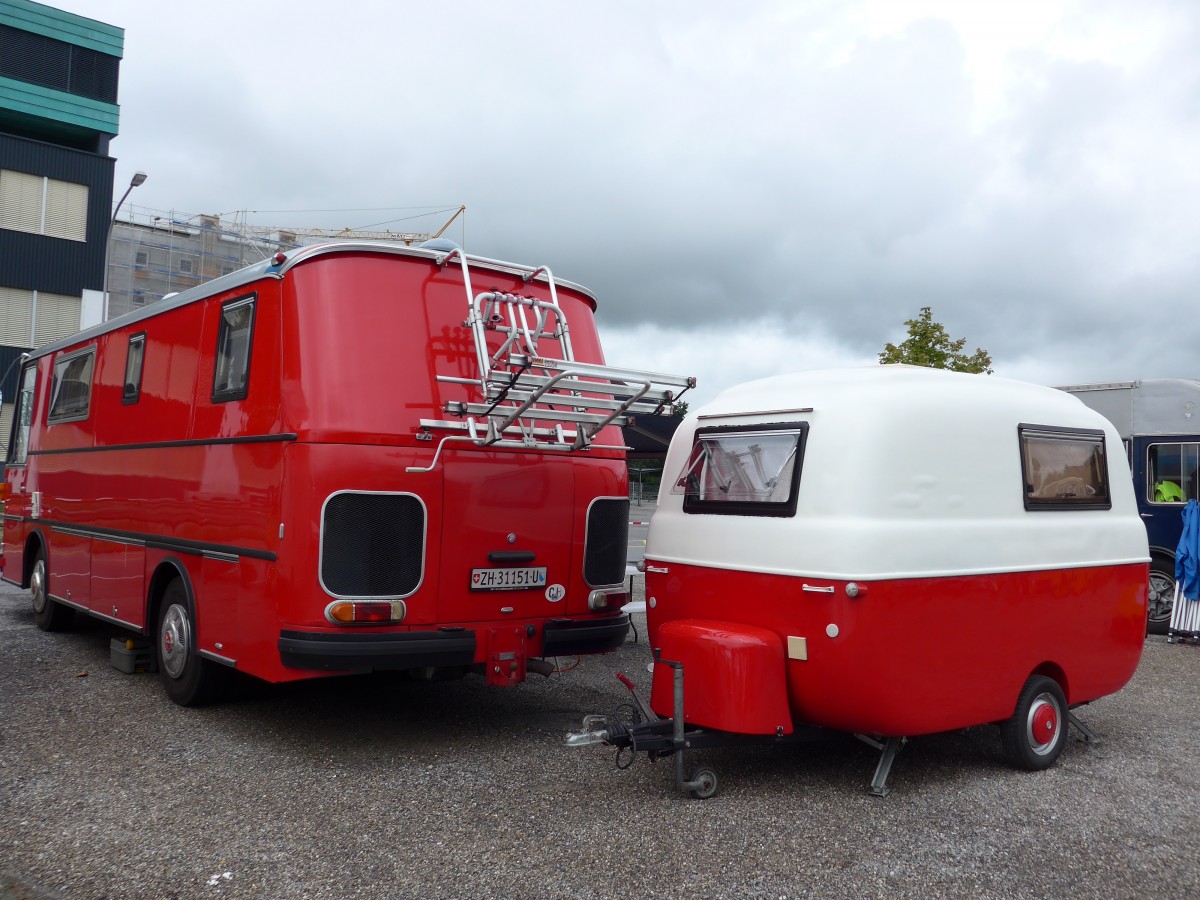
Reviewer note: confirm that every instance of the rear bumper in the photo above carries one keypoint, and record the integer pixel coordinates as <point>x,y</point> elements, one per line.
<point>407,650</point>
<point>571,638</point>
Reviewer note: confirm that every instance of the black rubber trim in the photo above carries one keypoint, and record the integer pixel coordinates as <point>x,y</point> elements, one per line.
<point>512,556</point>
<point>163,445</point>
<point>153,541</point>
<point>570,638</point>
<point>406,650</point>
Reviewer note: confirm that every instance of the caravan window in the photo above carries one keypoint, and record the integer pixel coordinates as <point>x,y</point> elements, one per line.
<point>1064,468</point>
<point>71,390</point>
<point>748,470</point>
<point>1172,473</point>
<point>232,374</point>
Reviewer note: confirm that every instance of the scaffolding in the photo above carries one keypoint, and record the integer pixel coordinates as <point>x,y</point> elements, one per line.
<point>153,253</point>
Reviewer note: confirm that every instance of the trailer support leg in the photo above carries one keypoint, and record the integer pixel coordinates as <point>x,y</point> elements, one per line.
<point>1089,736</point>
<point>703,783</point>
<point>888,748</point>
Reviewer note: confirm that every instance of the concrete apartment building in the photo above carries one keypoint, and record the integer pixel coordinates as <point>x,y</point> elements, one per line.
<point>58,112</point>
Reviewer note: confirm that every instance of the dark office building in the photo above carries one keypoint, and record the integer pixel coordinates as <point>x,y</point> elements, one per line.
<point>58,112</point>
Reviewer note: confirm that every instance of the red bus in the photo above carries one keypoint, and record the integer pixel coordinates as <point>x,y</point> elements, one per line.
<point>349,457</point>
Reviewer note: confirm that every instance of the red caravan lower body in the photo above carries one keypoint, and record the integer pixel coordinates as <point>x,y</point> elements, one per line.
<point>762,653</point>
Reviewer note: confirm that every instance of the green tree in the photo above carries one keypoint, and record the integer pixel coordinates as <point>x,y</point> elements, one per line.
<point>929,345</point>
<point>679,408</point>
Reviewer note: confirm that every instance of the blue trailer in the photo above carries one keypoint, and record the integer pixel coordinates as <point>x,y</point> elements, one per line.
<point>1159,421</point>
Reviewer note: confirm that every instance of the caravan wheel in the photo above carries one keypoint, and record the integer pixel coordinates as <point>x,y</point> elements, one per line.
<point>1035,735</point>
<point>1162,595</point>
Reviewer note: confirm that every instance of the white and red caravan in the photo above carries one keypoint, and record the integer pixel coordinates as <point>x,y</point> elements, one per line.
<point>890,551</point>
<point>349,457</point>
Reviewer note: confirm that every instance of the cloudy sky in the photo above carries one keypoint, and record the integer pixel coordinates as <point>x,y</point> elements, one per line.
<point>749,188</point>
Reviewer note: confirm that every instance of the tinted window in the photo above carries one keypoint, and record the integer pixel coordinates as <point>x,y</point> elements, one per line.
<point>71,391</point>
<point>133,368</point>
<point>749,470</point>
<point>18,448</point>
<point>1064,468</point>
<point>231,379</point>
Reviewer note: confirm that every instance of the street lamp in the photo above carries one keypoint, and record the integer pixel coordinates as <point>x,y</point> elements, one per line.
<point>138,179</point>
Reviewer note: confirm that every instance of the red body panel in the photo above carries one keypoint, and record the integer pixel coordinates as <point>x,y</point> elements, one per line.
<point>723,661</point>
<point>345,352</point>
<point>906,657</point>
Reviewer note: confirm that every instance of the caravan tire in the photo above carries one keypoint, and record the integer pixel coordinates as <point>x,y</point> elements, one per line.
<point>1162,595</point>
<point>1035,735</point>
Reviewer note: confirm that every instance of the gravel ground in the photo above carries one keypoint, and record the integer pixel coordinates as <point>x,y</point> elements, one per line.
<point>384,787</point>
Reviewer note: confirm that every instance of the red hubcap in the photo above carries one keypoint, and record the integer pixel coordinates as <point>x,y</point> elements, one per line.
<point>1044,725</point>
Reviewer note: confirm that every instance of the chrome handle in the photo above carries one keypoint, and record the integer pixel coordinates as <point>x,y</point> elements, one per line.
<point>661,570</point>
<point>818,589</point>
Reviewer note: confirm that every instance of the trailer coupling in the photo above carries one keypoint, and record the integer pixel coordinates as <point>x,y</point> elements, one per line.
<point>637,729</point>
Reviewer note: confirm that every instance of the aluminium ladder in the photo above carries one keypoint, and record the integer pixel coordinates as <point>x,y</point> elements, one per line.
<point>529,400</point>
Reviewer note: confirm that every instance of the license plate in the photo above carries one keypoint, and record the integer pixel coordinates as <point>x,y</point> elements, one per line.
<point>508,579</point>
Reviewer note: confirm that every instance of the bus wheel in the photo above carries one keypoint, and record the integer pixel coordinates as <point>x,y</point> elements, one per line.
<point>47,613</point>
<point>188,678</point>
<point>1035,735</point>
<point>1162,595</point>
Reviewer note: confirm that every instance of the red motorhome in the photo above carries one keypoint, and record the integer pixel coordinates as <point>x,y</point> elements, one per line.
<point>350,457</point>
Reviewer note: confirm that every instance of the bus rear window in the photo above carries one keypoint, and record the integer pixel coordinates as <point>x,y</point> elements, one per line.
<point>1064,468</point>
<point>748,470</point>
<point>71,390</point>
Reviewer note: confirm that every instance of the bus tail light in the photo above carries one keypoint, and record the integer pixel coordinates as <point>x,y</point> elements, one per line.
<point>366,612</point>
<point>598,600</point>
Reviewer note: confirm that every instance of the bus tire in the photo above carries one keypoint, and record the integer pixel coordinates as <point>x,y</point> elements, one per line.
<point>188,678</point>
<point>1161,599</point>
<point>1036,734</point>
<point>48,614</point>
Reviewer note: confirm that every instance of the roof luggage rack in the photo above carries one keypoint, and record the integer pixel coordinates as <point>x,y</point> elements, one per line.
<point>532,401</point>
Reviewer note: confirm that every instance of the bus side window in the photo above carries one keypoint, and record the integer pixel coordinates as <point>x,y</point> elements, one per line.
<point>133,368</point>
<point>71,390</point>
<point>232,373</point>
<point>23,418</point>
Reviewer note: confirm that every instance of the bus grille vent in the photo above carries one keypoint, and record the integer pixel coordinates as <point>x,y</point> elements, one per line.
<point>372,545</point>
<point>607,542</point>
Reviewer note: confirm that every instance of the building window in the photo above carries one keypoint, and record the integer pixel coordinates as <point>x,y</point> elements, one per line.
<point>56,64</point>
<point>1064,468</point>
<point>35,318</point>
<point>40,205</point>
<point>71,390</point>
<point>749,470</point>
<point>185,266</point>
<point>232,373</point>
<point>141,258</point>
